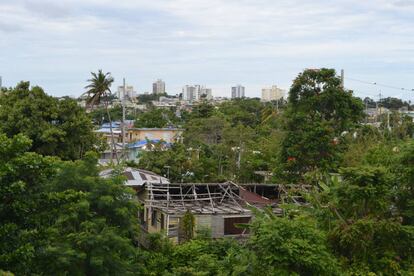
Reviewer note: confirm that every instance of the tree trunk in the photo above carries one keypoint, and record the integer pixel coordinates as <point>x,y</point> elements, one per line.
<point>112,135</point>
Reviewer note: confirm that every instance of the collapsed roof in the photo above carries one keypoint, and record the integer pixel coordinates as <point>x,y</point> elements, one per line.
<point>203,198</point>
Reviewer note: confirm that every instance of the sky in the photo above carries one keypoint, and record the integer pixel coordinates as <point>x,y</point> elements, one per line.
<point>217,43</point>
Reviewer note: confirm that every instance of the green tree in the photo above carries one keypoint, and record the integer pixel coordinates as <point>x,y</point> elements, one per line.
<point>187,226</point>
<point>319,111</point>
<point>403,168</point>
<point>23,200</point>
<point>393,103</point>
<point>148,98</point>
<point>98,90</point>
<point>291,246</point>
<point>242,111</point>
<point>56,126</point>
<point>97,234</point>
<point>364,227</point>
<point>60,217</point>
<point>203,110</point>
<point>156,118</point>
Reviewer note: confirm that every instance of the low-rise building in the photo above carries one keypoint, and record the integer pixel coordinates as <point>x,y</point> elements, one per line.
<point>134,150</point>
<point>374,114</point>
<point>105,131</point>
<point>169,135</point>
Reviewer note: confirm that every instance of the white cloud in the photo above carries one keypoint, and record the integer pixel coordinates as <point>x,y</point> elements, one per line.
<point>216,42</point>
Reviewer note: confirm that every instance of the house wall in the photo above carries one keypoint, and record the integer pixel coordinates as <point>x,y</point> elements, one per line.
<point>156,221</point>
<point>168,135</point>
<point>216,223</point>
<point>108,137</point>
<point>217,226</point>
<point>173,225</point>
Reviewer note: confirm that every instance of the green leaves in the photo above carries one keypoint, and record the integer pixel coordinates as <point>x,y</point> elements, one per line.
<point>61,217</point>
<point>319,110</point>
<point>292,245</point>
<point>57,127</point>
<point>156,118</point>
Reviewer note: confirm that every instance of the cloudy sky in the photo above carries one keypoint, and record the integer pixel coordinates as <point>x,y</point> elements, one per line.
<point>219,43</point>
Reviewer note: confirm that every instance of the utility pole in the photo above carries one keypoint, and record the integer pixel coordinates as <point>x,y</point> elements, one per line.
<point>380,99</point>
<point>342,78</point>
<point>277,105</point>
<point>388,121</point>
<point>123,119</point>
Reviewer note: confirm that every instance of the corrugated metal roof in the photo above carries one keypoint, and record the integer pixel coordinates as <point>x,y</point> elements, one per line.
<point>137,177</point>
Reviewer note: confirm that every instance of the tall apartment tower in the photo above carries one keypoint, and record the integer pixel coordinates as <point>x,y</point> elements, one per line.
<point>196,93</point>
<point>158,87</point>
<point>205,93</point>
<point>272,94</point>
<point>237,91</point>
<point>189,93</point>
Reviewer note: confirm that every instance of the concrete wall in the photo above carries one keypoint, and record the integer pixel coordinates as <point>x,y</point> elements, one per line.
<point>217,226</point>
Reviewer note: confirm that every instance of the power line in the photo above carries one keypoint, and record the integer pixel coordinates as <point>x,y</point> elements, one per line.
<point>382,85</point>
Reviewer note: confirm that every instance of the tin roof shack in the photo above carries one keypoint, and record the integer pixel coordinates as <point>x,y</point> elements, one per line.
<point>219,207</point>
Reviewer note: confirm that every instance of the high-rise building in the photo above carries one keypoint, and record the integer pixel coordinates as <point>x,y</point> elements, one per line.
<point>129,92</point>
<point>205,93</point>
<point>158,87</point>
<point>237,91</point>
<point>272,94</point>
<point>188,93</point>
<point>196,92</point>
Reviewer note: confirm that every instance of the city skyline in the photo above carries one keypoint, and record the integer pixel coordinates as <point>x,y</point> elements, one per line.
<point>56,44</point>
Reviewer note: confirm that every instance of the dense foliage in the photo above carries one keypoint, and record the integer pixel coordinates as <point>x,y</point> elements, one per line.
<point>56,126</point>
<point>228,141</point>
<point>319,111</point>
<point>59,217</point>
<point>156,118</point>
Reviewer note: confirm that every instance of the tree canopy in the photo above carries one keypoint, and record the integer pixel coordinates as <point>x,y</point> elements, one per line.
<point>319,111</point>
<point>56,127</point>
<point>59,217</point>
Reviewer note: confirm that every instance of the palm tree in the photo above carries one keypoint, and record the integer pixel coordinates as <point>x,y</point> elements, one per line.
<point>99,89</point>
<point>267,113</point>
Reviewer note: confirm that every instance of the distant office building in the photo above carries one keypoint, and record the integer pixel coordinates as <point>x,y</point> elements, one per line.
<point>205,93</point>
<point>158,87</point>
<point>272,94</point>
<point>189,93</point>
<point>237,92</point>
<point>129,92</point>
<point>196,93</point>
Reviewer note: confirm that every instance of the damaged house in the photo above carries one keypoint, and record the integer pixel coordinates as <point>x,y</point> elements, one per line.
<point>218,207</point>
